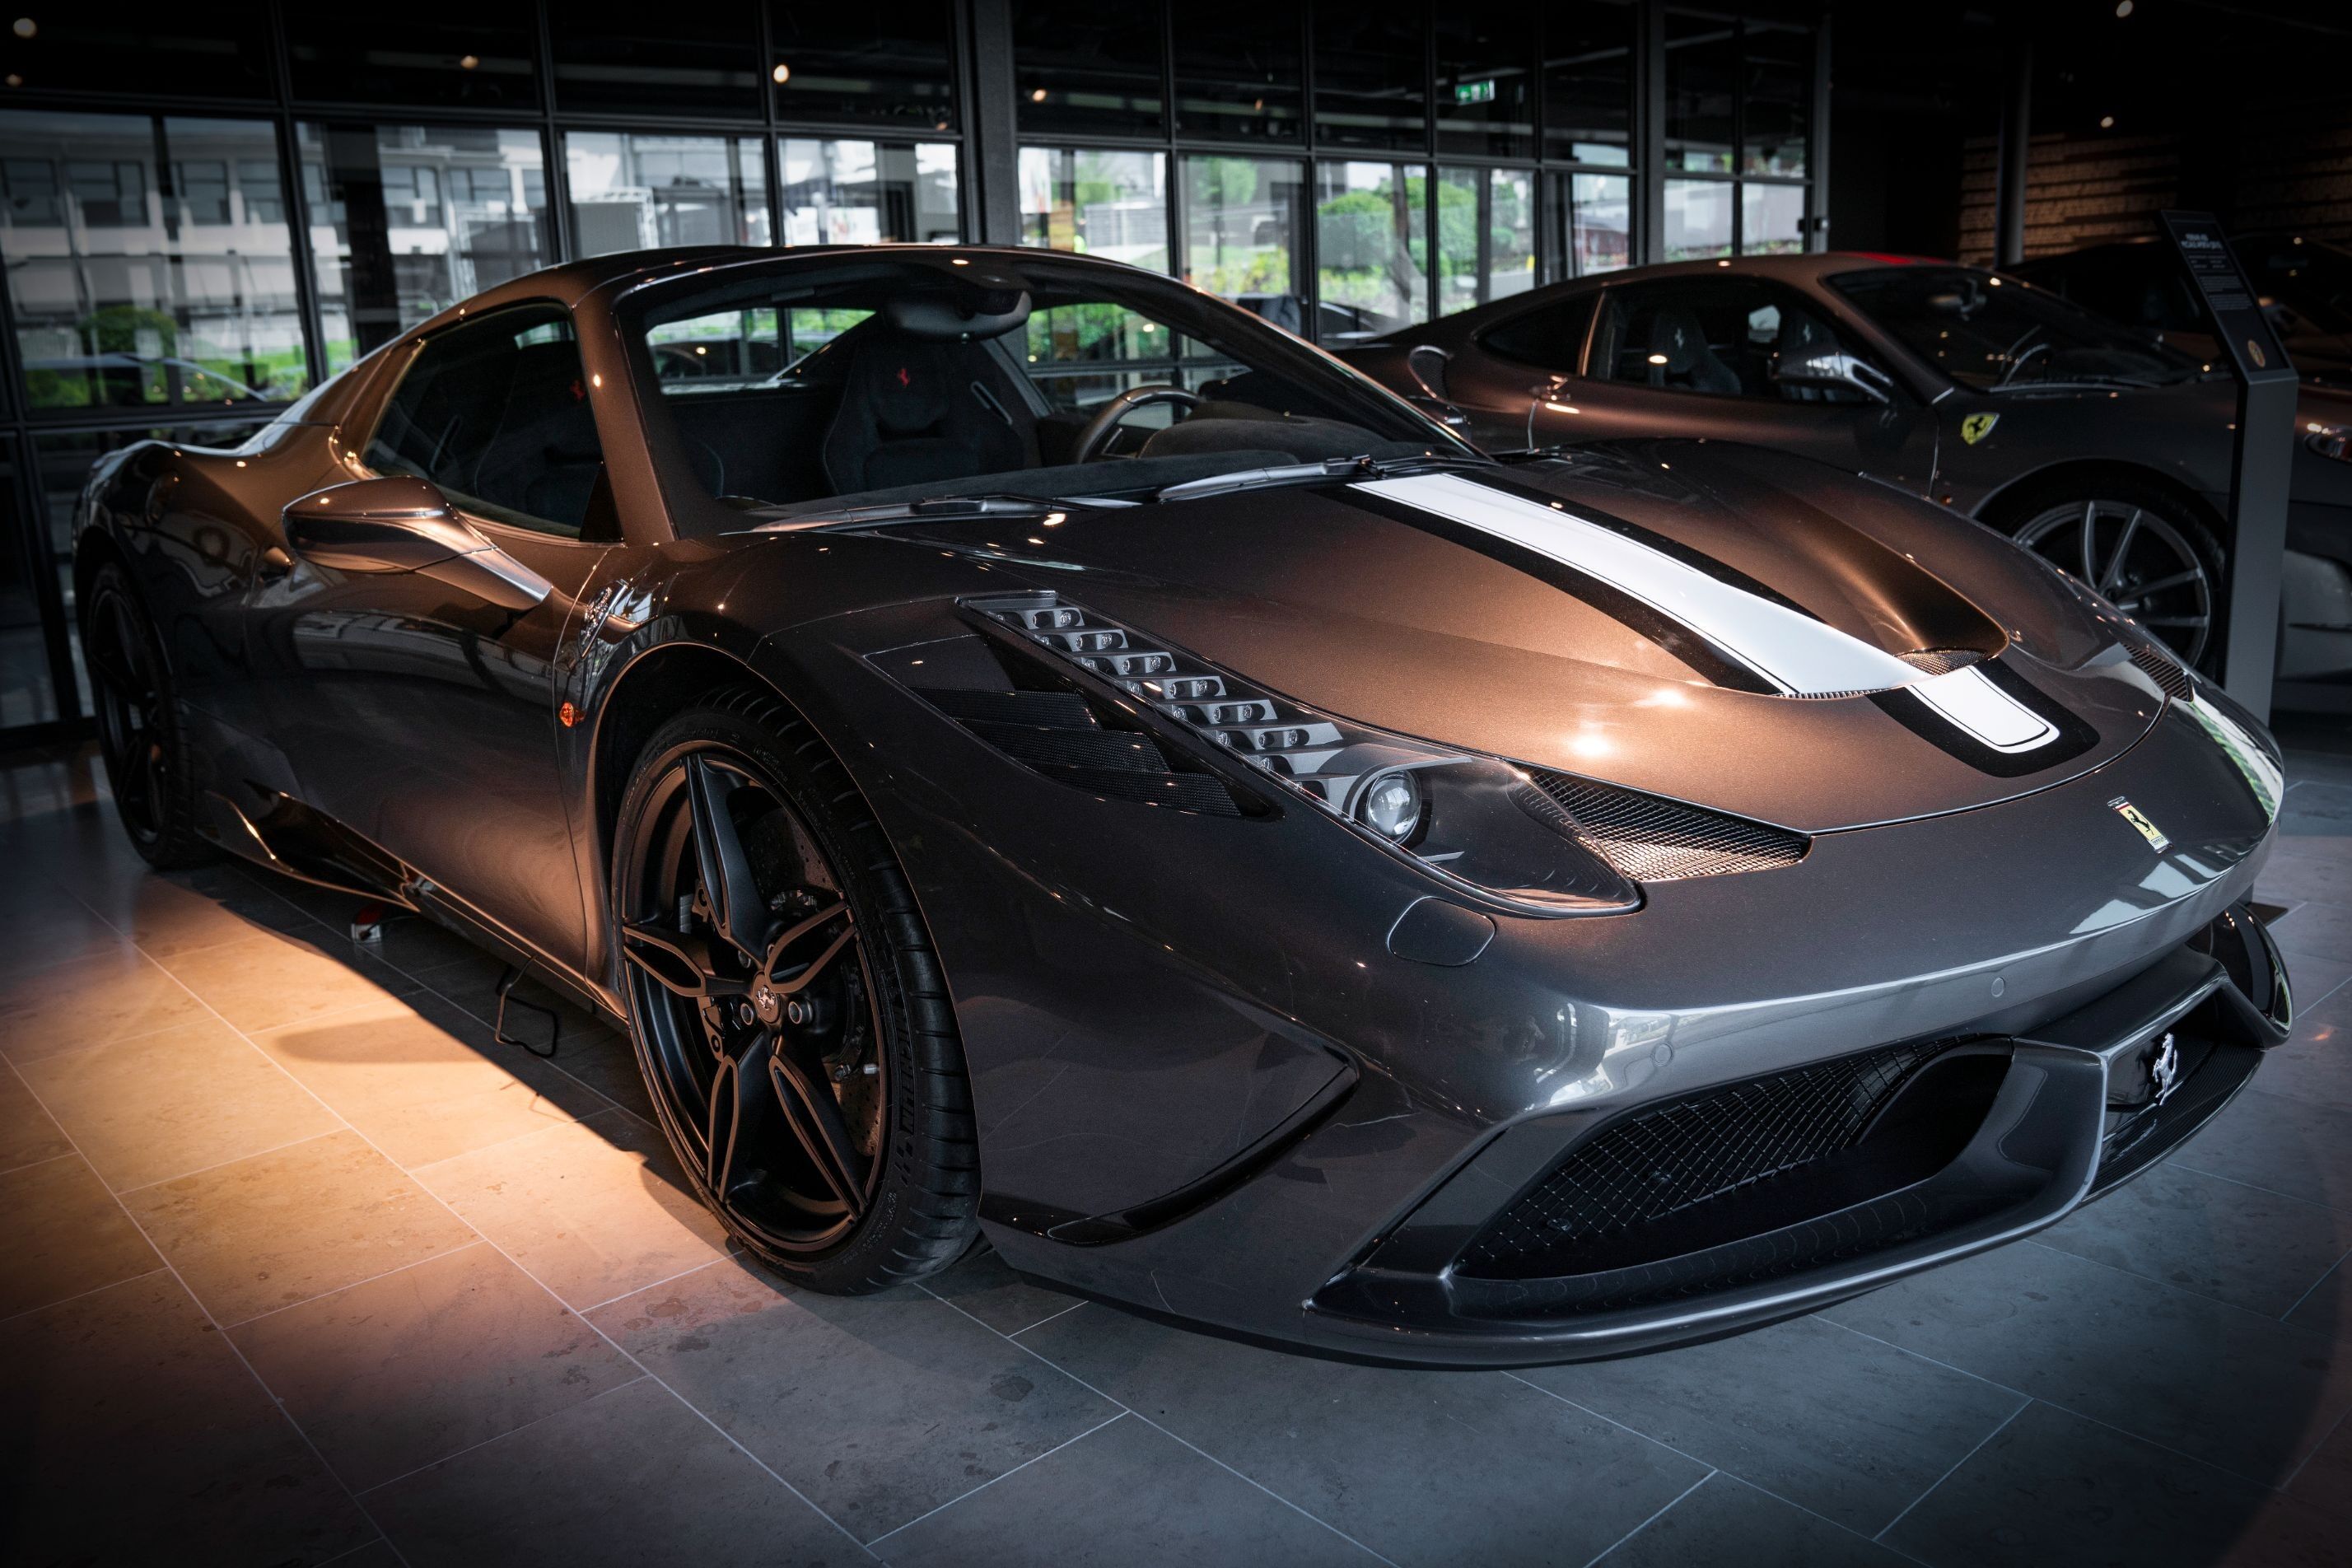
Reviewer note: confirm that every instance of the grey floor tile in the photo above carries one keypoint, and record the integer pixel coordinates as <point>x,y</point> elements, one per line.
<point>632,1477</point>
<point>61,1234</point>
<point>998,1294</point>
<point>263,1232</point>
<point>1726,1523</point>
<point>2234,1242</point>
<point>2052,1488</point>
<point>2317,926</point>
<point>878,1408</point>
<point>2316,980</point>
<point>135,1436</point>
<point>1421,1466</point>
<point>1123,1497</point>
<point>1843,1425</point>
<point>27,1134</point>
<point>2316,1064</point>
<point>2300,1148</point>
<point>391,1374</point>
<point>156,1106</point>
<point>2292,875</point>
<point>2245,1392</point>
<point>2325,1480</point>
<point>2326,1309</point>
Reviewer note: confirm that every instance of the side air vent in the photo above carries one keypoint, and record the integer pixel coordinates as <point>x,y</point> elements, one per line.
<point>1654,840</point>
<point>2170,677</point>
<point>1942,661</point>
<point>1057,734</point>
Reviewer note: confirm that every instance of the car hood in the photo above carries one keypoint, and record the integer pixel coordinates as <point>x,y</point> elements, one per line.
<point>1718,624</point>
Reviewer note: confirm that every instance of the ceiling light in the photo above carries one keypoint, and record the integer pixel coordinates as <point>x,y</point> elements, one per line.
<point>2106,122</point>
<point>468,62</point>
<point>25,27</point>
<point>1657,359</point>
<point>2123,8</point>
<point>783,73</point>
<point>1036,95</point>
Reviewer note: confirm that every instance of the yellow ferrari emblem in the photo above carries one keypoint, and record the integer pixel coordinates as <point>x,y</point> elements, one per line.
<point>2140,819</point>
<point>1977,426</point>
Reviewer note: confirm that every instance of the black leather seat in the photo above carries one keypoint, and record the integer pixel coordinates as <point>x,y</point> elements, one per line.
<point>1803,337</point>
<point>1691,362</point>
<point>915,410</point>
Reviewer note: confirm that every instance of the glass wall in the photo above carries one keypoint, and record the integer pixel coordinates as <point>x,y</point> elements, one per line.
<point>199,222</point>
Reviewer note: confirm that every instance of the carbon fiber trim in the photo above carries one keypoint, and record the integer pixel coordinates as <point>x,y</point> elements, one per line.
<point>1654,840</point>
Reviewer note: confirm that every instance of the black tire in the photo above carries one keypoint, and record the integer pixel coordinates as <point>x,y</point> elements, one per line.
<point>884,1050</point>
<point>2169,539</point>
<point>140,739</point>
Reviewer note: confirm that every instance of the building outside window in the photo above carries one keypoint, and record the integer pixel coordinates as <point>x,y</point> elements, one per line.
<point>199,223</point>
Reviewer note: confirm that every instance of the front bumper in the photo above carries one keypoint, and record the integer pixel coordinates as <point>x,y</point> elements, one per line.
<point>1820,1185</point>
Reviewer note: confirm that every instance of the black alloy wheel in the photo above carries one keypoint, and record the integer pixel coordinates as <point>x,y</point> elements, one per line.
<point>786,1009</point>
<point>2157,567</point>
<point>139,737</point>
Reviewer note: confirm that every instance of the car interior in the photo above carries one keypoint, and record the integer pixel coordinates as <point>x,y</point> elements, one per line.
<point>1728,336</point>
<point>899,380</point>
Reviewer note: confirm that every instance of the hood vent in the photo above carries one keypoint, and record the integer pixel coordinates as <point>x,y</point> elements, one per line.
<point>1942,661</point>
<point>2170,675</point>
<point>1649,839</point>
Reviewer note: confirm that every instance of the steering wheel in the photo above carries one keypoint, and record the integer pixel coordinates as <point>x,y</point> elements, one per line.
<point>1105,422</point>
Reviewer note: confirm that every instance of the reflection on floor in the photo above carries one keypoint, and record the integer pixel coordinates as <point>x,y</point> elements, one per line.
<point>301,1268</point>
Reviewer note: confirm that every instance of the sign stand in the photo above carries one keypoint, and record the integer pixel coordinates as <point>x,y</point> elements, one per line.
<point>2265,458</point>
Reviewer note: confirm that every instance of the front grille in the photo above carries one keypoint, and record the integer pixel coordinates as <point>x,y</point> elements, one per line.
<point>1664,1161</point>
<point>1653,840</point>
<point>2167,673</point>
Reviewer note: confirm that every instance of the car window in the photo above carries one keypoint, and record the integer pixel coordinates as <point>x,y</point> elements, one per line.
<point>1552,336</point>
<point>729,351</point>
<point>496,413</point>
<point>1999,334</point>
<point>1079,355</point>
<point>1727,336</point>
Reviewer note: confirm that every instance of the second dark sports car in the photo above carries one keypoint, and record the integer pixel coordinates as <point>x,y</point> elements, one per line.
<point>1031,750</point>
<point>2106,451</point>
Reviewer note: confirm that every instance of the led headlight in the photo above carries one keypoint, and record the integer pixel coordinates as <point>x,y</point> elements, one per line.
<point>1465,819</point>
<point>2328,440</point>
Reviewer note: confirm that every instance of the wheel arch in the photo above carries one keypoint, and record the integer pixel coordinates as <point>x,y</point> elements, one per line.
<point>647,690</point>
<point>2009,507</point>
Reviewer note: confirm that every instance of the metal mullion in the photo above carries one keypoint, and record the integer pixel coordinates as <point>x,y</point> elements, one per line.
<point>298,212</point>
<point>555,161</point>
<point>1303,239</point>
<point>1171,162</point>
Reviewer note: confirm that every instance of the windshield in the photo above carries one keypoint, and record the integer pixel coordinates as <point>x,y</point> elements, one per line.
<point>1999,334</point>
<point>807,387</point>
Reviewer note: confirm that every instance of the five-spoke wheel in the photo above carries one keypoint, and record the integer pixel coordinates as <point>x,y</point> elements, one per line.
<point>767,960</point>
<point>137,730</point>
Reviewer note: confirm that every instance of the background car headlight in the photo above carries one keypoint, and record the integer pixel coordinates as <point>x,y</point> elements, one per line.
<point>2328,440</point>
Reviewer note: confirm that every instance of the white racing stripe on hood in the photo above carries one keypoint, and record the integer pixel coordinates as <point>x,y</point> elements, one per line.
<point>1798,655</point>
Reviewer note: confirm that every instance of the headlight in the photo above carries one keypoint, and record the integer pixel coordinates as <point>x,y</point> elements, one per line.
<point>1468,819</point>
<point>2328,440</point>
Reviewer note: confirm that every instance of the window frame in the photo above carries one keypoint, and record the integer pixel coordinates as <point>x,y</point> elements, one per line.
<point>499,519</point>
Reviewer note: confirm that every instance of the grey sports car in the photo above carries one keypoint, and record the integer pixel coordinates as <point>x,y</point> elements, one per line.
<point>2095,443</point>
<point>1030,750</point>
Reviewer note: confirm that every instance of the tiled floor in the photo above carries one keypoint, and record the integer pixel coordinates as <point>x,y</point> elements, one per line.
<point>297,1266</point>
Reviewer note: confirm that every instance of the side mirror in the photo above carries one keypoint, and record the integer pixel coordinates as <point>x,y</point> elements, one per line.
<point>1835,368</point>
<point>397,522</point>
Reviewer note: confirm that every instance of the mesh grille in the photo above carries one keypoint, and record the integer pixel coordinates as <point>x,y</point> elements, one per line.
<point>1654,840</point>
<point>1663,1161</point>
<point>1942,661</point>
<point>2168,674</point>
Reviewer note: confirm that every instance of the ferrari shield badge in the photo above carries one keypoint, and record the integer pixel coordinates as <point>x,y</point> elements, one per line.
<point>2140,819</point>
<point>1977,426</point>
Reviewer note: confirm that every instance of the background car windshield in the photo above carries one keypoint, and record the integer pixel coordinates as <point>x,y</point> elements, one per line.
<point>1996,334</point>
<point>875,380</point>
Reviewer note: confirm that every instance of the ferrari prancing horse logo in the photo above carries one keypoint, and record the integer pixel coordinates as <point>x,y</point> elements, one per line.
<point>1977,426</point>
<point>2138,819</point>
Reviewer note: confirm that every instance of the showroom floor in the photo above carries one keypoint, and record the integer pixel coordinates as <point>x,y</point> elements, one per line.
<point>301,1266</point>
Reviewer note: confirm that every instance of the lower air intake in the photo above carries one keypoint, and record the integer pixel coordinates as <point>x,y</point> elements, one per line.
<point>1664,1163</point>
<point>1653,840</point>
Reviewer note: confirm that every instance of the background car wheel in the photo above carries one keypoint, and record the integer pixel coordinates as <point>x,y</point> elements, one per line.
<point>2142,549</point>
<point>786,1007</point>
<point>139,735</point>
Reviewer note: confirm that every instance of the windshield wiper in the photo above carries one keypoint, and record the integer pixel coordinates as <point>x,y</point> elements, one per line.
<point>923,509</point>
<point>1363,467</point>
